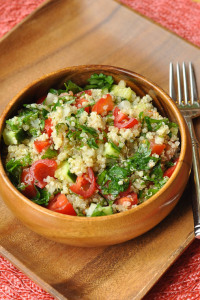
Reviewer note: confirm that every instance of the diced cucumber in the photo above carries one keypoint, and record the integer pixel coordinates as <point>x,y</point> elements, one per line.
<point>63,173</point>
<point>13,137</point>
<point>97,210</point>
<point>107,210</point>
<point>102,211</point>
<point>122,92</point>
<point>111,150</point>
<point>91,209</point>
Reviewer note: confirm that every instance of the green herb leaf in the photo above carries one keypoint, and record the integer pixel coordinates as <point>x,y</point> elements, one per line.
<point>89,130</point>
<point>49,153</point>
<point>149,121</point>
<point>14,168</point>
<point>71,86</point>
<point>109,180</point>
<point>53,91</point>
<point>42,197</point>
<point>92,144</point>
<point>100,81</point>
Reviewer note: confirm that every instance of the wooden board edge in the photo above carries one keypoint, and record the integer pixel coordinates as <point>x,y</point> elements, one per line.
<point>19,265</point>
<point>48,288</point>
<point>166,266</point>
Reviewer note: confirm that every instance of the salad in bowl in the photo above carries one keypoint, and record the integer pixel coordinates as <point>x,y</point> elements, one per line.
<point>94,150</point>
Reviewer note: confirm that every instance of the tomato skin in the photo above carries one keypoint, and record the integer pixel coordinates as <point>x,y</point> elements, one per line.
<point>156,148</point>
<point>119,116</point>
<point>88,92</point>
<point>48,126</point>
<point>27,179</point>
<point>61,204</point>
<point>79,104</point>
<point>170,171</point>
<point>132,198</point>
<point>41,100</point>
<point>41,169</point>
<point>125,193</point>
<point>40,145</point>
<point>121,120</point>
<point>85,185</point>
<point>104,105</point>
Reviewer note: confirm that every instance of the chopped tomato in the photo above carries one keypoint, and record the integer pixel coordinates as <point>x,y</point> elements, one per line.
<point>40,145</point>
<point>28,181</point>
<point>61,204</point>
<point>48,126</point>
<point>88,92</point>
<point>79,103</point>
<point>41,100</point>
<point>156,148</point>
<point>121,120</point>
<point>119,116</point>
<point>170,171</point>
<point>125,193</point>
<point>41,169</point>
<point>104,105</point>
<point>85,184</point>
<point>131,198</point>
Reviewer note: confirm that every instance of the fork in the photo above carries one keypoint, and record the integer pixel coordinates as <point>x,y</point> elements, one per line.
<point>190,108</point>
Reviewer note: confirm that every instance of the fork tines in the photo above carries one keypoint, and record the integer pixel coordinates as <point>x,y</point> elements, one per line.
<point>183,81</point>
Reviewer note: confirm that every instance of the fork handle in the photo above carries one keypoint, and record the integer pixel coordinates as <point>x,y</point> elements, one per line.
<point>196,171</point>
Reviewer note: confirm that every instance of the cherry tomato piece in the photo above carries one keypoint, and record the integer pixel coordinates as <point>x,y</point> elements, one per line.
<point>85,184</point>
<point>88,92</point>
<point>79,104</point>
<point>40,145</point>
<point>48,126</point>
<point>121,120</point>
<point>125,193</point>
<point>104,105</point>
<point>28,181</point>
<point>170,171</point>
<point>131,198</point>
<point>41,100</point>
<point>61,204</point>
<point>41,169</point>
<point>156,148</point>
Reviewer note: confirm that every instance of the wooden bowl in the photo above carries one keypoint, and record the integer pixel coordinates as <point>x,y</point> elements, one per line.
<point>104,230</point>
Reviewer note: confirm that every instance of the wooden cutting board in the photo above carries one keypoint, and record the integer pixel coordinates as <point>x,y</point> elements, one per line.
<point>71,32</point>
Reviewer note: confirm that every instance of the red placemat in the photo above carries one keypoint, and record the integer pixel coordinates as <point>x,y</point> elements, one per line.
<point>13,11</point>
<point>182,281</point>
<point>15,285</point>
<point>180,16</point>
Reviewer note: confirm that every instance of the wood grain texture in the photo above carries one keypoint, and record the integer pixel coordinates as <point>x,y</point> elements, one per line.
<point>65,33</point>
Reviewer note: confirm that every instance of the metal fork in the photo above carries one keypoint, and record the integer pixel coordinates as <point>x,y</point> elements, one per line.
<point>190,108</point>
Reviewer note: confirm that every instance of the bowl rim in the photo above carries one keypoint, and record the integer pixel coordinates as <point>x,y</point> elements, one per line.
<point>171,103</point>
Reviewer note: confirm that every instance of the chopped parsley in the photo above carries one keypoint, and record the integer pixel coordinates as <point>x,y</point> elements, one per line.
<point>42,197</point>
<point>100,81</point>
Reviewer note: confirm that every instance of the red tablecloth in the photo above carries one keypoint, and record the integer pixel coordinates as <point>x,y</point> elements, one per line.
<point>182,280</point>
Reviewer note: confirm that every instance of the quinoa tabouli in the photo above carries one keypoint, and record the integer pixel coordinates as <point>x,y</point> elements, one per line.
<point>90,151</point>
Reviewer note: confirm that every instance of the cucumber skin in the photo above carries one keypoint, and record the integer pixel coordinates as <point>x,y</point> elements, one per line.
<point>122,92</point>
<point>110,151</point>
<point>13,138</point>
<point>63,173</point>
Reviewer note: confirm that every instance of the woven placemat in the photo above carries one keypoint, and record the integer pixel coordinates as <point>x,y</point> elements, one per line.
<point>180,16</point>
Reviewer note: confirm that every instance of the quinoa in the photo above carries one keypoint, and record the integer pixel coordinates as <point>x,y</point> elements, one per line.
<point>91,151</point>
